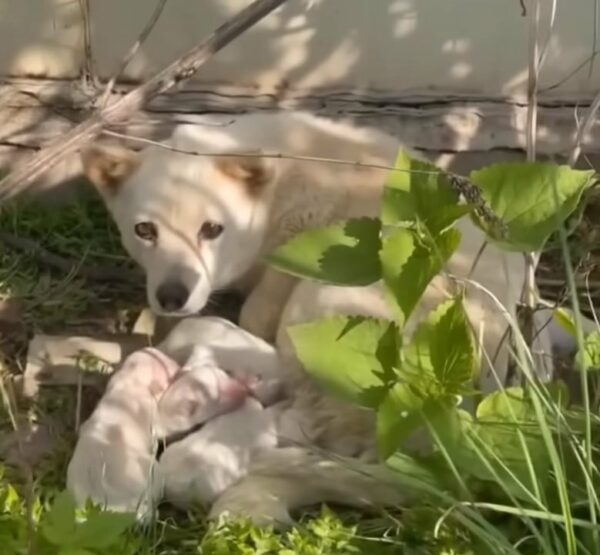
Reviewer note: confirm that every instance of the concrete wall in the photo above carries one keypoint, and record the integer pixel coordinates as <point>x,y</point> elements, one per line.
<point>477,46</point>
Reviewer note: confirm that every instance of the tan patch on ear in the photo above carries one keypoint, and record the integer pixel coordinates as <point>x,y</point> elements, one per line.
<point>253,172</point>
<point>107,167</point>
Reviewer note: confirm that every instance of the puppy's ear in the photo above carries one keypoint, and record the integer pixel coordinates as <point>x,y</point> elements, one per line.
<point>252,171</point>
<point>108,166</point>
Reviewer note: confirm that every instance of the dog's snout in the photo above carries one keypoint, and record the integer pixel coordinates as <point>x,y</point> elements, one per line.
<point>172,295</point>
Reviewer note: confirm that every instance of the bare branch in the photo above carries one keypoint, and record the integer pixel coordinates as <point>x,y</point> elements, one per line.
<point>88,76</point>
<point>21,178</point>
<point>158,10</point>
<point>461,185</point>
<point>583,129</point>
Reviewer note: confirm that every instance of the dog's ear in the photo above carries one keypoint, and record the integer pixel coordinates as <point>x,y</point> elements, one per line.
<point>252,171</point>
<point>108,166</point>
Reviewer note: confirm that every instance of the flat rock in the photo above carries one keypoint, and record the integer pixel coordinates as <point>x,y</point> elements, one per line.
<point>58,360</point>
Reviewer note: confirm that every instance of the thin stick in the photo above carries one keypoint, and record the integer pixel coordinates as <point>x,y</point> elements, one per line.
<point>154,17</point>
<point>87,71</point>
<point>532,91</point>
<point>459,184</point>
<point>176,73</point>
<point>584,129</point>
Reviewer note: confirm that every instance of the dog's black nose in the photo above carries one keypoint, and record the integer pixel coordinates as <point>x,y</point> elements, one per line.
<point>172,295</point>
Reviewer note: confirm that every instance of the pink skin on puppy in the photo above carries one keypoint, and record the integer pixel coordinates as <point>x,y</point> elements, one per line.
<point>113,460</point>
<point>199,392</point>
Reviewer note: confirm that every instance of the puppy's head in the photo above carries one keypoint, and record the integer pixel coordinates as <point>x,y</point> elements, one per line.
<point>196,396</point>
<point>194,223</point>
<point>146,370</point>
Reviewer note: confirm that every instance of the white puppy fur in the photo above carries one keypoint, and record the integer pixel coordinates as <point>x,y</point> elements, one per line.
<point>198,224</point>
<point>114,459</point>
<point>242,355</point>
<point>203,465</point>
<point>199,392</point>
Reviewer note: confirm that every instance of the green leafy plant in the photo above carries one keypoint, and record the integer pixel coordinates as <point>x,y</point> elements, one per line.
<point>93,532</point>
<point>520,452</point>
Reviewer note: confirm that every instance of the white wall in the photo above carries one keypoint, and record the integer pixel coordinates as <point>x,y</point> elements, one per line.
<point>477,46</point>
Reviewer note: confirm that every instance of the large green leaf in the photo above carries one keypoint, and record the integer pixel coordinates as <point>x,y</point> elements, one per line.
<point>508,432</point>
<point>532,199</point>
<point>451,345</point>
<point>422,474</point>
<point>343,254</point>
<point>589,358</point>
<point>398,417</point>
<point>409,263</point>
<point>419,192</point>
<point>59,525</point>
<point>440,358</point>
<point>352,356</point>
<point>103,529</point>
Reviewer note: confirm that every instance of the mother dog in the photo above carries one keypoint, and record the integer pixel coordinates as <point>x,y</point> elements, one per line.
<point>199,224</point>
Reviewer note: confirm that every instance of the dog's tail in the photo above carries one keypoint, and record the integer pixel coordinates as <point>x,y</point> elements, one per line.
<point>283,480</point>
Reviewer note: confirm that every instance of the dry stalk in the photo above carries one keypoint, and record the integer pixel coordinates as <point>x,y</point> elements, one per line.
<point>176,73</point>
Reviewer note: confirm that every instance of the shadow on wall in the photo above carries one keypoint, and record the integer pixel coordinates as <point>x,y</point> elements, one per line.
<point>355,46</point>
<point>477,46</point>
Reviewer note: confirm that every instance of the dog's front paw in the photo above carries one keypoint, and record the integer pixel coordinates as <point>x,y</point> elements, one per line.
<point>260,317</point>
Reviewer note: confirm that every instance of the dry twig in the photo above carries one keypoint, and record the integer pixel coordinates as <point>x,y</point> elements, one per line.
<point>469,191</point>
<point>154,17</point>
<point>88,76</point>
<point>21,178</point>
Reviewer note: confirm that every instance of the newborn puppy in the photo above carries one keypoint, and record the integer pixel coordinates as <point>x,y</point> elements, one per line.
<point>199,392</point>
<point>238,352</point>
<point>200,467</point>
<point>113,463</point>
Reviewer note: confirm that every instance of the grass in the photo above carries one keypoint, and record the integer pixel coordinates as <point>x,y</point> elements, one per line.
<point>51,302</point>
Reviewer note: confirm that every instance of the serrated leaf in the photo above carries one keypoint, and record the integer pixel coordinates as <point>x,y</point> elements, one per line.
<point>532,199</point>
<point>589,359</point>
<point>418,192</point>
<point>409,263</point>
<point>59,525</point>
<point>565,320</point>
<point>340,254</point>
<point>420,474</point>
<point>103,529</point>
<point>448,426</point>
<point>514,404</point>
<point>440,357</point>
<point>352,356</point>
<point>398,416</point>
<point>452,349</point>
<point>509,434</point>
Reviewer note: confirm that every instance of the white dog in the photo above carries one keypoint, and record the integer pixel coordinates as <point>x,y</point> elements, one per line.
<point>114,459</point>
<point>200,223</point>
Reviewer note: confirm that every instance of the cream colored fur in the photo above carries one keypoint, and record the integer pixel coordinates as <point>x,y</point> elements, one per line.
<point>261,203</point>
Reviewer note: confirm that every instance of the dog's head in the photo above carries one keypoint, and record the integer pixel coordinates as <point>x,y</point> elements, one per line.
<point>194,223</point>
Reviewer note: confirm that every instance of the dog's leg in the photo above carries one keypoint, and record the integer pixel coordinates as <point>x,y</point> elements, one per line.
<point>286,479</point>
<point>262,310</point>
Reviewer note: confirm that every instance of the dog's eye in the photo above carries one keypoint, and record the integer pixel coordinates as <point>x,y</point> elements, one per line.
<point>146,231</point>
<point>210,230</point>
